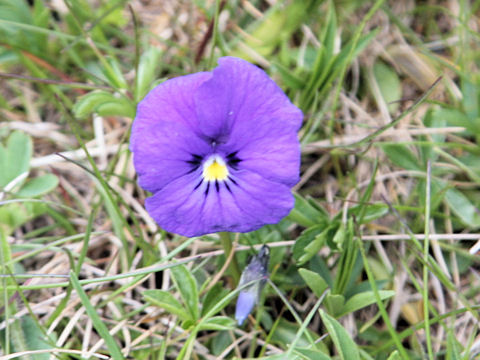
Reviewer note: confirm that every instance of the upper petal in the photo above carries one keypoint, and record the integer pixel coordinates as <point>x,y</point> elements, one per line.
<point>238,96</point>
<point>249,114</point>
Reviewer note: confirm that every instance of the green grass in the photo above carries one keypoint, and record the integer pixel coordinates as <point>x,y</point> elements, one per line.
<point>376,261</point>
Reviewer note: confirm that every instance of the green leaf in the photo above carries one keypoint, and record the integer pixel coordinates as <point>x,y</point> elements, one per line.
<point>220,342</point>
<point>363,299</point>
<point>277,25</point>
<point>344,344</point>
<point>314,281</point>
<point>330,33</point>
<point>334,303</point>
<point>340,236</point>
<point>291,80</point>
<point>147,71</point>
<point>453,350</point>
<point>309,243</point>
<point>103,103</point>
<point>117,107</point>
<point>98,324</point>
<point>325,73</point>
<point>311,354</point>
<point>432,119</point>
<point>394,356</point>
<point>462,207</point>
<point>15,157</point>
<point>389,84</point>
<point>19,12</point>
<point>401,156</point>
<point>38,186</point>
<point>307,212</point>
<point>369,212</point>
<point>280,357</point>
<point>218,323</point>
<point>14,215</point>
<point>35,338</point>
<point>187,286</point>
<point>286,332</point>
<point>167,301</point>
<point>114,74</point>
<point>214,294</point>
<point>455,117</point>
<point>471,103</point>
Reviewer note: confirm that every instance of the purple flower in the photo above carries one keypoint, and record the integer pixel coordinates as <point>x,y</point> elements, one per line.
<point>218,150</point>
<point>255,275</point>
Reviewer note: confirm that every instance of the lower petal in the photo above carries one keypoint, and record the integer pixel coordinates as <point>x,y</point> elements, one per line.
<point>264,200</point>
<point>184,208</point>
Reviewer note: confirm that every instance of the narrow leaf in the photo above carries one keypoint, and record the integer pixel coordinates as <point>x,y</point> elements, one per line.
<point>314,281</point>
<point>363,299</point>
<point>218,323</point>
<point>401,156</point>
<point>344,344</point>
<point>187,286</point>
<point>97,322</point>
<point>165,300</point>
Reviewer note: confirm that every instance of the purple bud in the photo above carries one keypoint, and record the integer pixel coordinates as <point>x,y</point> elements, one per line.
<point>252,282</point>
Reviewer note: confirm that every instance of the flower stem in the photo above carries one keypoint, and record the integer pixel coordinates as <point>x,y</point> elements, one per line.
<point>226,242</point>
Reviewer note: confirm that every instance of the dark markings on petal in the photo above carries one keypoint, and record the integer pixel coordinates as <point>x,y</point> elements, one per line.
<point>228,187</point>
<point>197,159</point>
<point>195,162</point>
<point>207,189</point>
<point>233,166</point>
<point>233,160</point>
<point>195,168</point>
<point>217,186</point>
<point>232,155</point>
<point>199,183</point>
<point>233,181</point>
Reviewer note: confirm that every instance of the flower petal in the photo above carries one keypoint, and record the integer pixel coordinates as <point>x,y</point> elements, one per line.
<point>165,133</point>
<point>239,95</point>
<point>245,303</point>
<point>274,154</point>
<point>183,209</point>
<point>243,109</point>
<point>261,198</point>
<point>236,113</point>
<point>176,206</point>
<point>190,210</point>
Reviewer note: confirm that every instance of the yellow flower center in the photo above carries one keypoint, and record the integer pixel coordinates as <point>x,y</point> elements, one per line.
<point>215,169</point>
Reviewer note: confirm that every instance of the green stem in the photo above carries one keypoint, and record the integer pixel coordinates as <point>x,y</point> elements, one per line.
<point>214,35</point>
<point>228,248</point>
<point>426,252</point>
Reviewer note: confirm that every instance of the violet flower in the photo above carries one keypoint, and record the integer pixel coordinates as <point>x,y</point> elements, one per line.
<point>255,274</point>
<point>218,150</point>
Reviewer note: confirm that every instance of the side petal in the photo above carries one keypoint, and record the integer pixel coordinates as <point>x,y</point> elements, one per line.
<point>177,207</point>
<point>272,153</point>
<point>165,133</point>
<point>262,199</point>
